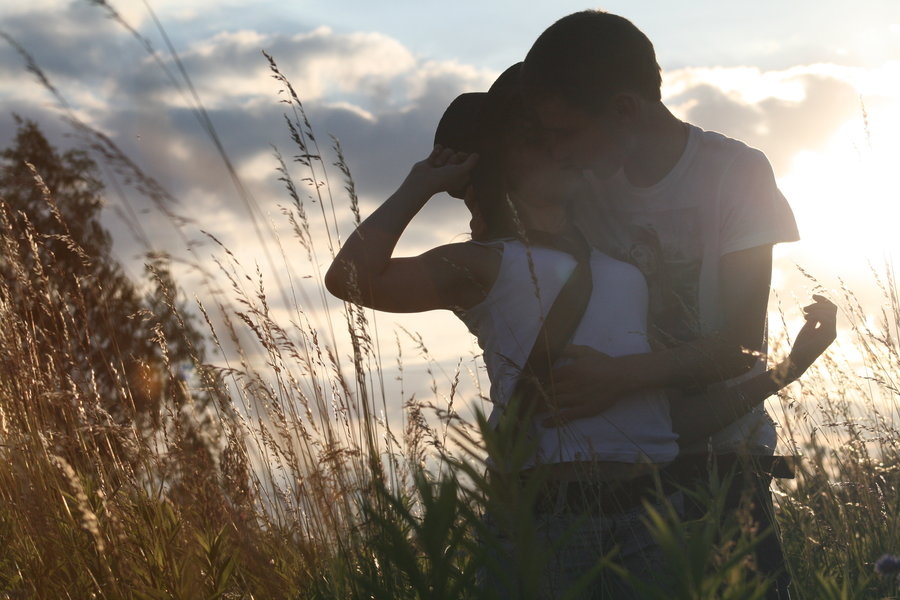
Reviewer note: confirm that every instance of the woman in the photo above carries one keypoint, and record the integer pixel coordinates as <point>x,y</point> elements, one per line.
<point>502,287</point>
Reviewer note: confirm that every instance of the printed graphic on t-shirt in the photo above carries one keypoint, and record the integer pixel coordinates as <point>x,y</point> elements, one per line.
<point>667,247</point>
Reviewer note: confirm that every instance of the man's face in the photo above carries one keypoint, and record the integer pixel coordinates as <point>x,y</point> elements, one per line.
<point>582,140</point>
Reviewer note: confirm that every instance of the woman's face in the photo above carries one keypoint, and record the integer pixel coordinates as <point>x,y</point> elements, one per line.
<point>532,175</point>
<point>477,225</point>
<point>530,178</point>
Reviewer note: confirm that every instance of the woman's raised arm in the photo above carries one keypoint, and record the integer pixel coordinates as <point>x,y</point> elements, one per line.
<point>364,271</point>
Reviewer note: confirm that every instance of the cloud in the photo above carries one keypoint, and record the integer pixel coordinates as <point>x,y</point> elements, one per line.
<point>74,43</point>
<point>134,12</point>
<point>364,88</point>
<point>229,67</point>
<point>782,113</point>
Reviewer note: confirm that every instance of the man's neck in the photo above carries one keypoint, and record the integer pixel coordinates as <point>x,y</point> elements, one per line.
<point>660,144</point>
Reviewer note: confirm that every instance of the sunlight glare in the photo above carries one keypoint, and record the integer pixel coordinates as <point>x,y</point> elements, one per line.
<point>845,196</point>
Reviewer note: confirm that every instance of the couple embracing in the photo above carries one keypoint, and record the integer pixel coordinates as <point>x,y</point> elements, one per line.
<point>617,279</point>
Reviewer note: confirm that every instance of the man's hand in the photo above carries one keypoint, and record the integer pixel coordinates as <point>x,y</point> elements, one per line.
<point>588,385</point>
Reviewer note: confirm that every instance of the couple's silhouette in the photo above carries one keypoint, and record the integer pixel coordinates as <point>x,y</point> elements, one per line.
<point>617,281</point>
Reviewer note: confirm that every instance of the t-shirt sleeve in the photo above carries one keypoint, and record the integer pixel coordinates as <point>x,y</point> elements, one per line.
<point>754,212</point>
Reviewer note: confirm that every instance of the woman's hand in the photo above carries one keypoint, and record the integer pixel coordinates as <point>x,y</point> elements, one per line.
<point>366,272</point>
<point>445,170</point>
<point>819,331</point>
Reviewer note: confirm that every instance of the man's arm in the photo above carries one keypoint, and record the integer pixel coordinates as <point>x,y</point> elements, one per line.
<point>593,381</point>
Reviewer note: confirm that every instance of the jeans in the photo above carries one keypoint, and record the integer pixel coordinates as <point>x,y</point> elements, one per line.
<point>748,490</point>
<point>562,548</point>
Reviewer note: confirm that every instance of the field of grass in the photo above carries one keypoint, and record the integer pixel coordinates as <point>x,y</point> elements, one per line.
<point>280,477</point>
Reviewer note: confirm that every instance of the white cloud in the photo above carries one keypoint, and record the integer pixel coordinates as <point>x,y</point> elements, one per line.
<point>134,12</point>
<point>746,84</point>
<point>440,80</point>
<point>781,112</point>
<point>320,64</point>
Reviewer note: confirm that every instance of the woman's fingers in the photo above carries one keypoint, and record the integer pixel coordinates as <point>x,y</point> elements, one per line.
<point>824,320</point>
<point>821,327</point>
<point>433,156</point>
<point>459,158</point>
<point>445,170</point>
<point>821,305</point>
<point>819,331</point>
<point>469,160</point>
<point>440,156</point>
<point>444,157</point>
<point>822,317</point>
<point>457,173</point>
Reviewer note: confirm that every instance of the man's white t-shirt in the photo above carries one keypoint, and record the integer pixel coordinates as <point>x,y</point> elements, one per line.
<point>720,197</point>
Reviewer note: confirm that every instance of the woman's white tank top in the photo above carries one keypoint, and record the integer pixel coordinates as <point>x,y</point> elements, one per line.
<point>638,427</point>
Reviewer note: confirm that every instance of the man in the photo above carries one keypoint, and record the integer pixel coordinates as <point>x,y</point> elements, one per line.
<point>696,211</point>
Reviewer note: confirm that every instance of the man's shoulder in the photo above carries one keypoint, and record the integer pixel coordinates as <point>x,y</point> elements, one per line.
<point>719,152</point>
<point>716,144</point>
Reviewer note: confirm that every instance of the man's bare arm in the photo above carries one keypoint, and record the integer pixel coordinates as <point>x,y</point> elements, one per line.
<point>593,381</point>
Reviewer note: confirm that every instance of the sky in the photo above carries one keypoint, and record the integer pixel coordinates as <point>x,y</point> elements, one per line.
<point>814,84</point>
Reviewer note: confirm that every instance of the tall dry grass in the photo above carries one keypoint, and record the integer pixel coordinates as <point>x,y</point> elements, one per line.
<point>291,483</point>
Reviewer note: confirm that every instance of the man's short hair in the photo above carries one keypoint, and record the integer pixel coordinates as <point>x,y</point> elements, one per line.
<point>588,57</point>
